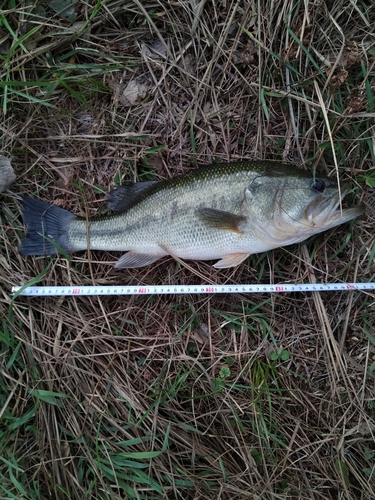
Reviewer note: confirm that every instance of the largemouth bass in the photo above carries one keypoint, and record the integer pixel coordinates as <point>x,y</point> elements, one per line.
<point>224,211</point>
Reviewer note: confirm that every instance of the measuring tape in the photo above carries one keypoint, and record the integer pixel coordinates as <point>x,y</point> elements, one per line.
<point>54,291</point>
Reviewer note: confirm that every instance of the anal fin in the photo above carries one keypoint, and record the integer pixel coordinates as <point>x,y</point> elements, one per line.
<point>231,260</point>
<point>133,259</point>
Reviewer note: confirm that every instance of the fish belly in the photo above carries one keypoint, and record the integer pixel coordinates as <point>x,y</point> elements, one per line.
<point>167,223</point>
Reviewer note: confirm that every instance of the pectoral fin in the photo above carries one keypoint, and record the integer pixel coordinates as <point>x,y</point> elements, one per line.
<point>231,260</point>
<point>120,198</point>
<point>219,219</point>
<point>134,259</point>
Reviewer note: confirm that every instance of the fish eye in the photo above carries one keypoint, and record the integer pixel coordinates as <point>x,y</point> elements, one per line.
<point>318,185</point>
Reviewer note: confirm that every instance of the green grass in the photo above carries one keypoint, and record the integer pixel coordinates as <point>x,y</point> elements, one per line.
<point>230,397</point>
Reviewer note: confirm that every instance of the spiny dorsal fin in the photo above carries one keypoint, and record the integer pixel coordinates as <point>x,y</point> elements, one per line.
<point>120,198</point>
<point>218,219</point>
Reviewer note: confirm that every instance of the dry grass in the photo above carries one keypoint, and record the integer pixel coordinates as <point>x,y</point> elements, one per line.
<point>187,397</point>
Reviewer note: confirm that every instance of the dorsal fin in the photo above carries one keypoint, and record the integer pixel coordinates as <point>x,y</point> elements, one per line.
<point>120,198</point>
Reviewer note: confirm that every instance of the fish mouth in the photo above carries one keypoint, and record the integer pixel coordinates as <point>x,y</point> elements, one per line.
<point>330,212</point>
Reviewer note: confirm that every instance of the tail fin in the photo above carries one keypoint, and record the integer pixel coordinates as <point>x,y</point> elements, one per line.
<point>45,224</point>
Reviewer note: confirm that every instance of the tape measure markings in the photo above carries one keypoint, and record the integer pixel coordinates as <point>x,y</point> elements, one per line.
<point>42,291</point>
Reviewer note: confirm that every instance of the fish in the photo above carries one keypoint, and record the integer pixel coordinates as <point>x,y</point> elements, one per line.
<point>223,212</point>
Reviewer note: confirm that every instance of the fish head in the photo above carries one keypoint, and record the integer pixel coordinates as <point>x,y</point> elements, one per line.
<point>288,205</point>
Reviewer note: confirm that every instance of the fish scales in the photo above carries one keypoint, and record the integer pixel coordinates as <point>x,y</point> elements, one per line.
<point>223,211</point>
<point>168,216</point>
